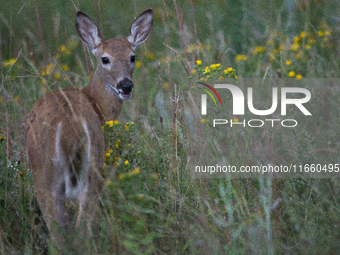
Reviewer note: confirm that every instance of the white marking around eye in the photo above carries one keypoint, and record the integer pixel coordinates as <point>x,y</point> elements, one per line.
<point>109,65</point>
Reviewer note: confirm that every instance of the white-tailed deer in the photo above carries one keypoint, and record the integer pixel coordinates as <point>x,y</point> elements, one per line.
<point>63,133</point>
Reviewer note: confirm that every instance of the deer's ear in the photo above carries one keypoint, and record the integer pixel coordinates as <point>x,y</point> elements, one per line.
<point>140,28</point>
<point>87,30</point>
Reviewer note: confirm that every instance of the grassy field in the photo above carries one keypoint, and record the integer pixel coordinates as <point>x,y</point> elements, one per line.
<point>150,203</point>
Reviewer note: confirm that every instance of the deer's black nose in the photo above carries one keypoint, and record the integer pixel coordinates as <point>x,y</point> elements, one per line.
<point>125,85</point>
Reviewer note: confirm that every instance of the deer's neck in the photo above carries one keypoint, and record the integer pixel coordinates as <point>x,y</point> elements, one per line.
<point>104,101</point>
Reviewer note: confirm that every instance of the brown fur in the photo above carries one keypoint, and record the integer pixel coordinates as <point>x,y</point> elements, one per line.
<point>63,134</point>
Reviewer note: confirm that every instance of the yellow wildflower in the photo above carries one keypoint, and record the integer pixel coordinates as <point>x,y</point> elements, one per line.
<point>291,74</point>
<point>43,81</point>
<point>62,48</point>
<point>327,32</point>
<point>57,75</point>
<point>213,66</point>
<point>230,69</point>
<point>150,56</point>
<point>294,46</point>
<point>50,67</point>
<point>126,162</point>
<point>288,62</point>
<point>258,49</point>
<point>312,41</point>
<point>298,77</point>
<point>241,57</point>
<point>202,120</point>
<point>110,123</point>
<point>135,171</point>
<point>126,127</point>
<point>193,71</point>
<point>64,67</point>
<point>191,48</point>
<point>236,77</point>
<point>296,39</point>
<point>198,62</point>
<point>303,34</point>
<point>235,120</point>
<point>120,176</point>
<point>207,69</point>
<point>9,62</point>
<point>138,63</point>
<point>321,33</point>
<point>117,157</point>
<point>276,51</point>
<point>307,47</point>
<point>116,122</point>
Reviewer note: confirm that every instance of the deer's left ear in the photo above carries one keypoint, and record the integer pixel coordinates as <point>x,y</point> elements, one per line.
<point>140,28</point>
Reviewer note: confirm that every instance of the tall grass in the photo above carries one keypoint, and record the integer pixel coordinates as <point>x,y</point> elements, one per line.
<point>149,203</point>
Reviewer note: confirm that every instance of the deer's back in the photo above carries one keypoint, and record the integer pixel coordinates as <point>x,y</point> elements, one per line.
<point>62,130</point>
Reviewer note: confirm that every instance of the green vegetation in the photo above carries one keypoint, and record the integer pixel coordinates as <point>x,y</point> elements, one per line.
<point>149,202</point>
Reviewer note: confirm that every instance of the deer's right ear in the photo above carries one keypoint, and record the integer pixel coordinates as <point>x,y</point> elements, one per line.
<point>87,30</point>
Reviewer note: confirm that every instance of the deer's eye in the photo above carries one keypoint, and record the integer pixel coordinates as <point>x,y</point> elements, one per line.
<point>133,58</point>
<point>105,60</point>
